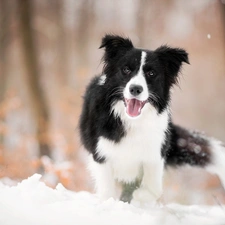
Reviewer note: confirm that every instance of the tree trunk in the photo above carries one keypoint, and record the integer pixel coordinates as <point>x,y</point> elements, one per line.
<point>62,43</point>
<point>32,77</point>
<point>142,11</point>
<point>86,23</point>
<point>4,39</point>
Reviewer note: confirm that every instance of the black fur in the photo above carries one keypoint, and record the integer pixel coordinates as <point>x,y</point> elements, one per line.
<point>96,119</point>
<point>187,147</point>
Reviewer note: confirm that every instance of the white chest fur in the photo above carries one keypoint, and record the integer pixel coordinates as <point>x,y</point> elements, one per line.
<point>141,145</point>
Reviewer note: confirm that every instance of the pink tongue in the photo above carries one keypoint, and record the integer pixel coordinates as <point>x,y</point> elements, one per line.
<point>134,107</point>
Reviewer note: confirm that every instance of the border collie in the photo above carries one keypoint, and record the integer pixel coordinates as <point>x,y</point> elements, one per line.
<point>126,123</point>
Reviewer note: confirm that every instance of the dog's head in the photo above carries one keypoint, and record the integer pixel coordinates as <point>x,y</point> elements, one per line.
<point>141,76</point>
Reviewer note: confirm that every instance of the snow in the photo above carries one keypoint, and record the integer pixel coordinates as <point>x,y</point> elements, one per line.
<point>31,202</point>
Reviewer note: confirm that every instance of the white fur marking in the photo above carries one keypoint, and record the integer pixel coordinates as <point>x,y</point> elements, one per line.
<point>105,185</point>
<point>102,80</point>
<point>151,186</point>
<point>139,79</point>
<point>140,148</point>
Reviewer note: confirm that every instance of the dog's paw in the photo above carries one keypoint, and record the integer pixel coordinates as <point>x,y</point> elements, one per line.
<point>144,196</point>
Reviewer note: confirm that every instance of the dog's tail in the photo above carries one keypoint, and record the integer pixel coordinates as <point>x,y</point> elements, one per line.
<point>195,149</point>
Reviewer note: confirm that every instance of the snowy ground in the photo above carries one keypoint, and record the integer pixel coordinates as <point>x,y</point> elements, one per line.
<point>31,202</point>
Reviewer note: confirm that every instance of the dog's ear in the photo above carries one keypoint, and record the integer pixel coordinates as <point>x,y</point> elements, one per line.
<point>115,46</point>
<point>172,59</point>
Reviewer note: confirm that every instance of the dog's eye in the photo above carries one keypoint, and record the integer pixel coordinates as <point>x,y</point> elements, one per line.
<point>126,70</point>
<point>150,73</point>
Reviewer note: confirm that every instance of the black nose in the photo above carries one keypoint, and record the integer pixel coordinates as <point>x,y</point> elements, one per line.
<point>136,89</point>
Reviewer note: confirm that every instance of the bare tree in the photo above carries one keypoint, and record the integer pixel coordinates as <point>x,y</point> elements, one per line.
<point>143,6</point>
<point>32,76</point>
<point>150,16</point>
<point>222,8</point>
<point>4,39</point>
<point>62,42</point>
<point>86,17</point>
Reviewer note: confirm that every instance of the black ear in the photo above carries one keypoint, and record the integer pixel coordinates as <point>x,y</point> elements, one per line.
<point>115,46</point>
<point>172,59</point>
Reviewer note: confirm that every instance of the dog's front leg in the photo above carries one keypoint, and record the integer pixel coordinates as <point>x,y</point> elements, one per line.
<point>105,184</point>
<point>151,188</point>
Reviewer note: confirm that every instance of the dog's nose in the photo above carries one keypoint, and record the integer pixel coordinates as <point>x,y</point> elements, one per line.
<point>136,89</point>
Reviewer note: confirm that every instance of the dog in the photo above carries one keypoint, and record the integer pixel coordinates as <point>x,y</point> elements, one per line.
<point>126,123</point>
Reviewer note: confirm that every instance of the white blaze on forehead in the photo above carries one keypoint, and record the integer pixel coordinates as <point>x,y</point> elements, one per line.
<point>143,59</point>
<point>139,79</point>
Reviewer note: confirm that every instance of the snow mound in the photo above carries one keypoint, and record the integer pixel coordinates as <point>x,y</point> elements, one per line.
<point>31,202</point>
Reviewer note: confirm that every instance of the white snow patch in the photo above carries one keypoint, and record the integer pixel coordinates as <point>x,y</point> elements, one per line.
<point>32,202</point>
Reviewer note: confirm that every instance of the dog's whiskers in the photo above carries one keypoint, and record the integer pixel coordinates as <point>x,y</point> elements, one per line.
<point>116,91</point>
<point>154,97</point>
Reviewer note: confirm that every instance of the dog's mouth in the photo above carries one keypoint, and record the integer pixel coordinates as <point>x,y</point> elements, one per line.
<point>134,106</point>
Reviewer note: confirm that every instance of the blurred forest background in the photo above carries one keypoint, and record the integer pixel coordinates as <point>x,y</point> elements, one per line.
<point>48,53</point>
